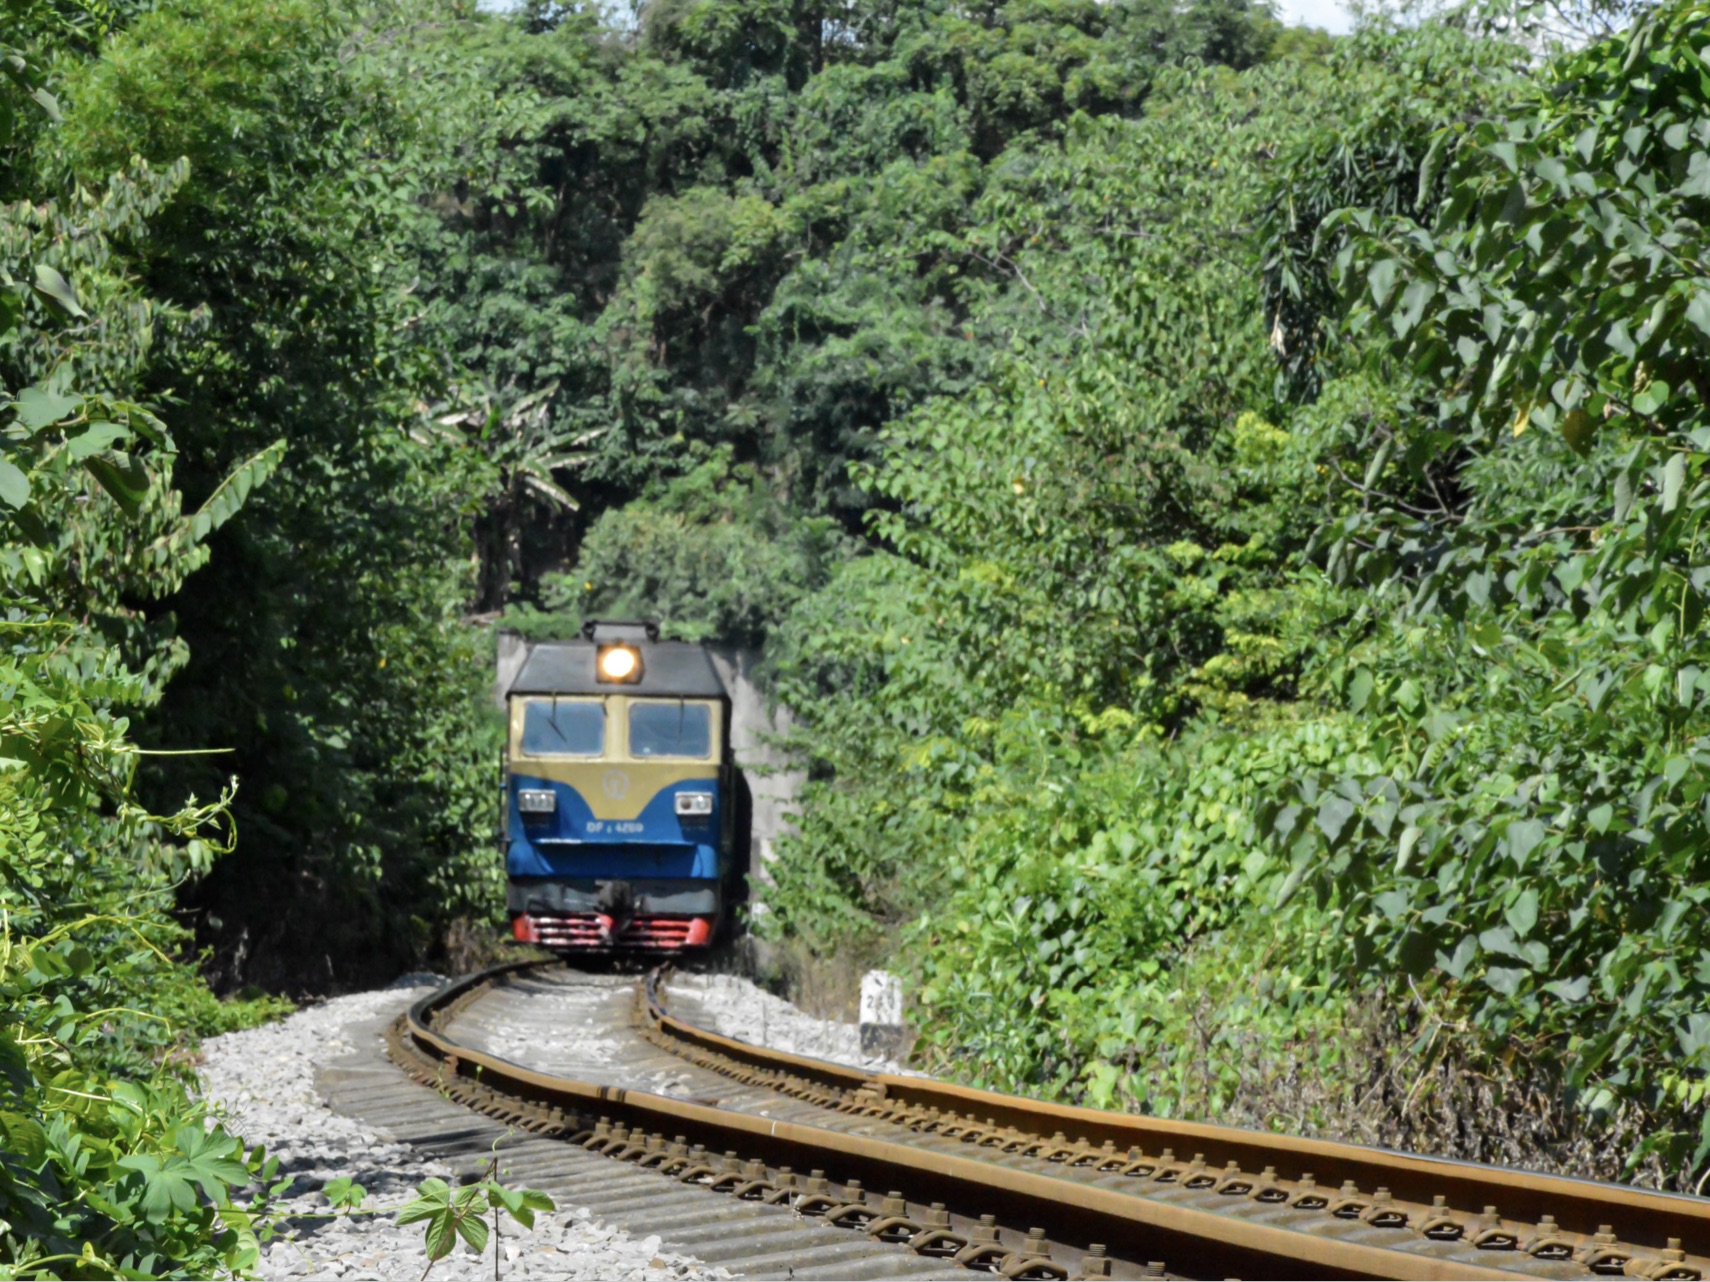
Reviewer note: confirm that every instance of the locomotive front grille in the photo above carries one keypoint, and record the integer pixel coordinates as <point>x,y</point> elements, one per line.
<point>596,931</point>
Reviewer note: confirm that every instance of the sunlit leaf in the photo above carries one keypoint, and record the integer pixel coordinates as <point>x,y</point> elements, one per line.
<point>37,409</point>
<point>14,485</point>
<point>53,287</point>
<point>123,476</point>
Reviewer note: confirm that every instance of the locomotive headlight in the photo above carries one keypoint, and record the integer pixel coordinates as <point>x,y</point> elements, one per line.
<point>694,805</point>
<point>620,664</point>
<point>536,801</point>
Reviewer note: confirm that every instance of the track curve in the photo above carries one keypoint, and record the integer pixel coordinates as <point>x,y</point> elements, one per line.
<point>1207,1201</point>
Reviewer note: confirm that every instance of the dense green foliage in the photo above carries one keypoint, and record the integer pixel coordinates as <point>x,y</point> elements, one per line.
<point>425,296</point>
<point>1535,829</point>
<point>105,1163</point>
<point>1224,506</point>
<point>325,650</point>
<point>744,233</point>
<point>714,553</point>
<point>1095,411</point>
<point>1371,669</point>
<point>205,413</point>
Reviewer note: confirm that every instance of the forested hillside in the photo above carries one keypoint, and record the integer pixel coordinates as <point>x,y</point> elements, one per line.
<point>1274,694</point>
<point>1224,504</point>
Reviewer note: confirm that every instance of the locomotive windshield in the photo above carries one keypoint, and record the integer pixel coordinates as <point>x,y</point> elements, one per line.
<point>670,730</point>
<point>563,728</point>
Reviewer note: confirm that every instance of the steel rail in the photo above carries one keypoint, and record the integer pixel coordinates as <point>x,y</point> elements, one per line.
<point>1642,1221</point>
<point>1079,1213</point>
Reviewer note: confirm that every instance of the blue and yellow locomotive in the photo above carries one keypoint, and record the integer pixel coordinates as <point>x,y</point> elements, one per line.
<point>621,794</point>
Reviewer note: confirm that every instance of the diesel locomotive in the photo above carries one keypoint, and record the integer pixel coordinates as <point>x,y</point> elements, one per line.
<point>621,795</point>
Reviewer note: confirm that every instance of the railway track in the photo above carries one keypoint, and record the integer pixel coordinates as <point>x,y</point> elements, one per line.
<point>778,1165</point>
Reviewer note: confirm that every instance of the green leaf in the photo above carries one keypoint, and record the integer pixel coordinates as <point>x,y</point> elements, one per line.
<point>14,485</point>
<point>1522,838</point>
<point>1407,695</point>
<point>1674,477</point>
<point>1413,300</point>
<point>53,287</point>
<point>1360,690</point>
<point>48,103</point>
<point>1698,311</point>
<point>1432,166</point>
<point>1570,990</point>
<point>1499,939</point>
<point>1652,397</point>
<point>1552,171</point>
<point>1624,494</point>
<point>535,1200</point>
<point>24,1138</point>
<point>166,1187</point>
<point>1522,914</point>
<point>226,501</point>
<point>123,476</point>
<point>441,1233</point>
<point>1392,903</point>
<point>1456,965</point>
<point>30,524</point>
<point>1505,979</point>
<point>515,1203</point>
<point>472,1196</point>
<point>344,1192</point>
<point>1409,839</point>
<point>1381,278</point>
<point>1579,429</point>
<point>93,439</point>
<point>1695,1037</point>
<point>473,1230</point>
<point>11,310</point>
<point>432,1196</point>
<point>37,409</point>
<point>551,491</point>
<point>1380,460</point>
<point>1333,815</point>
<point>1290,884</point>
<point>210,1158</point>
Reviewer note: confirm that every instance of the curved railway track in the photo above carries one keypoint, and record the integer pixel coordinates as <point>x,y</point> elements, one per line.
<point>778,1165</point>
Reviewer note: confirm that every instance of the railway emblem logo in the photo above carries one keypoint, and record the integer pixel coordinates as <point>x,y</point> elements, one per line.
<point>615,784</point>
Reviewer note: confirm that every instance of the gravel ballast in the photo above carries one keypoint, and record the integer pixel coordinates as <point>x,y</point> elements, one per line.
<point>263,1081</point>
<point>737,1008</point>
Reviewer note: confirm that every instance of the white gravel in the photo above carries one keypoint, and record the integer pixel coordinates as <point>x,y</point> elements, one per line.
<point>737,1008</point>
<point>263,1081</point>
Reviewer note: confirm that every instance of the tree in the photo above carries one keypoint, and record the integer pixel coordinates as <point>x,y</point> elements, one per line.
<point>325,650</point>
<point>1531,835</point>
<point>107,1164</point>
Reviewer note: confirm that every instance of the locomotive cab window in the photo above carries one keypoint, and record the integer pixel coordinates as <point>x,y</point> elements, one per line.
<point>563,728</point>
<point>670,729</point>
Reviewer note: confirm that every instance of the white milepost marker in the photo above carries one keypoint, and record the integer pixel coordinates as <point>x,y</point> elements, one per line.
<point>881,1013</point>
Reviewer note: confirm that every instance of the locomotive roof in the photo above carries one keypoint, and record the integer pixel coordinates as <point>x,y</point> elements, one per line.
<point>669,669</point>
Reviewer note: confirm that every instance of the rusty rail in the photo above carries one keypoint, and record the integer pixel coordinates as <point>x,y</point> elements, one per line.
<point>1360,1213</point>
<point>1609,1227</point>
